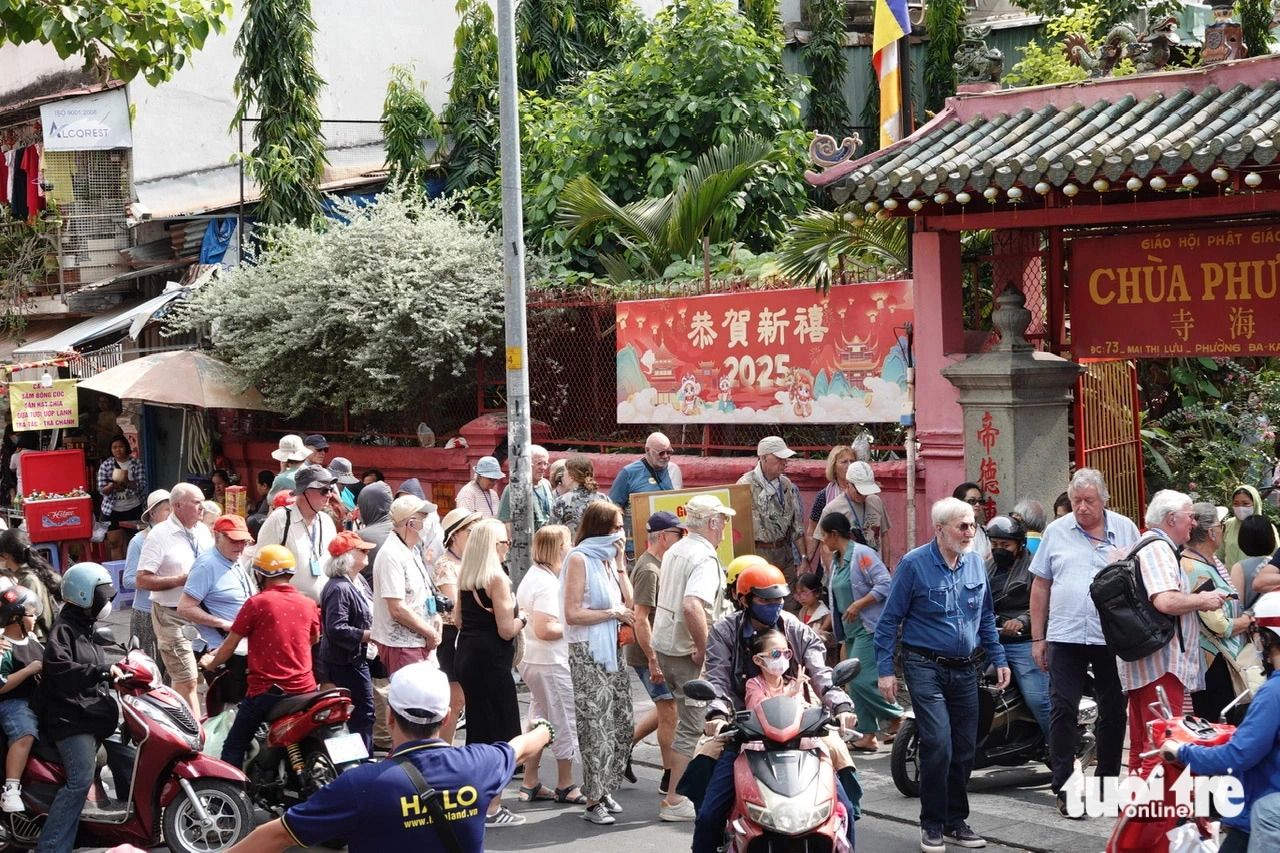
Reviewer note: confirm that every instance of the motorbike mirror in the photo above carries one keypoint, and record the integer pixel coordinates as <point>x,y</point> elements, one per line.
<point>845,671</point>
<point>103,637</point>
<point>700,690</point>
<point>134,643</point>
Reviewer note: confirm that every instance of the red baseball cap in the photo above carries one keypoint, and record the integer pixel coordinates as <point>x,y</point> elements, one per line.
<point>234,527</point>
<point>345,541</point>
<point>283,498</point>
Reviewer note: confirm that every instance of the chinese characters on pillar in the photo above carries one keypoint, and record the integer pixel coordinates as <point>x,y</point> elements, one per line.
<point>988,471</point>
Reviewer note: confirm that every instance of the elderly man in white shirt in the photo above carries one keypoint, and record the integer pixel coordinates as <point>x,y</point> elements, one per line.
<point>170,550</point>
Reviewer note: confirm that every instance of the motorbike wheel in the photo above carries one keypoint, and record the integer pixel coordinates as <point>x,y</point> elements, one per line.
<point>317,771</point>
<point>904,761</point>
<point>227,806</point>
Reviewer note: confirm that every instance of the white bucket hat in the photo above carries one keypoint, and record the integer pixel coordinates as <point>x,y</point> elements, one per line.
<point>291,449</point>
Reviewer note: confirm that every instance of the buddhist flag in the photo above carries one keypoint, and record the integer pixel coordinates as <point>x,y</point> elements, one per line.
<point>891,24</point>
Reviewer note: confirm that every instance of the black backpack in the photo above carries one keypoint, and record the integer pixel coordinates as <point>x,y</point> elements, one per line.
<point>1131,624</point>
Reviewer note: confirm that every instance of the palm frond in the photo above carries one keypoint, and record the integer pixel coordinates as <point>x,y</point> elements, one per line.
<point>818,239</point>
<point>707,186</point>
<point>583,206</point>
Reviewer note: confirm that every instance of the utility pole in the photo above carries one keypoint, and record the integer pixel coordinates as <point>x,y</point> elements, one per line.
<point>521,473</point>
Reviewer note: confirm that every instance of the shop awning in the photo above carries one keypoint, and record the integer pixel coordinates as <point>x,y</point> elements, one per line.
<point>34,330</point>
<point>104,324</point>
<point>1145,125</point>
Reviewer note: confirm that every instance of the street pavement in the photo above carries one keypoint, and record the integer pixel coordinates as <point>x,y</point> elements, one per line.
<point>1012,808</point>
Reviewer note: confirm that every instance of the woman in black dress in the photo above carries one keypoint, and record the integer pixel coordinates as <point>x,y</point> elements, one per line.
<point>488,622</point>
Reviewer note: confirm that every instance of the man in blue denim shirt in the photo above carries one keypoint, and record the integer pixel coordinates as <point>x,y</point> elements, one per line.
<point>940,599</point>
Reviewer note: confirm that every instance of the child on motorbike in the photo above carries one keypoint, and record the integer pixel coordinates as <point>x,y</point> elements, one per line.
<point>19,668</point>
<point>770,652</point>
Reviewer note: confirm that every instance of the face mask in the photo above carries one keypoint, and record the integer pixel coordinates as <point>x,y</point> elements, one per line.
<point>1242,512</point>
<point>774,667</point>
<point>1003,559</point>
<point>766,613</point>
<point>103,612</point>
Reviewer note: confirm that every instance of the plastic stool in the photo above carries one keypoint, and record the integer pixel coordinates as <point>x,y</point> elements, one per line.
<point>92,551</point>
<point>49,551</point>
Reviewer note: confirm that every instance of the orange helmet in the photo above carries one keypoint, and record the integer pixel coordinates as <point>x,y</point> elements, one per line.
<point>273,561</point>
<point>763,581</point>
<point>739,563</point>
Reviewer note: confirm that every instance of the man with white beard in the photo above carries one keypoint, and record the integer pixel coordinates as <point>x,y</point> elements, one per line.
<point>940,600</point>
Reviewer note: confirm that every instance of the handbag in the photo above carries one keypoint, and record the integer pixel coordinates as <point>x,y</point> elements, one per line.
<point>1245,668</point>
<point>626,636</point>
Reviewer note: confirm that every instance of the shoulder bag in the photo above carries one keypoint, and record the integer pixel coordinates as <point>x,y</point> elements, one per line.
<point>431,798</point>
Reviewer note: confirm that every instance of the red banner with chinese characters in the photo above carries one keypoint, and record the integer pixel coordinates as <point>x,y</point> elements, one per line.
<point>765,356</point>
<point>1206,292</point>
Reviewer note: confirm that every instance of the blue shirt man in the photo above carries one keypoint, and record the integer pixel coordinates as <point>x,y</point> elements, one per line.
<point>218,585</point>
<point>940,599</point>
<point>376,807</point>
<point>652,472</point>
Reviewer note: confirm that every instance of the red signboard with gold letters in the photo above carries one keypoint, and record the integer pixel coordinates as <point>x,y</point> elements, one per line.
<point>1207,292</point>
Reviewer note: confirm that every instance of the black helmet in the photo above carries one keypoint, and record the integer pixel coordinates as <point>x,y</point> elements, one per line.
<point>14,602</point>
<point>1004,527</point>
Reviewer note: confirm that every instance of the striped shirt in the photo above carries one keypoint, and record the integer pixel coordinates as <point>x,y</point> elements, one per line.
<point>1161,572</point>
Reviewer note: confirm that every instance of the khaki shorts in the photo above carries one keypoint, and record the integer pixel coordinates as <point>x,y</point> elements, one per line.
<point>691,714</point>
<point>175,649</point>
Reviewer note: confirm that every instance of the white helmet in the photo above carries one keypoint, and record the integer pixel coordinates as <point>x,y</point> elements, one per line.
<point>1266,613</point>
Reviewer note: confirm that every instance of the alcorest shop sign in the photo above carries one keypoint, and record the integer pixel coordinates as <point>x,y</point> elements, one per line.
<point>89,123</point>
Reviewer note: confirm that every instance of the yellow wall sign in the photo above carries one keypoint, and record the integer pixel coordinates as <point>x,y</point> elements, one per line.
<point>739,534</point>
<point>32,406</point>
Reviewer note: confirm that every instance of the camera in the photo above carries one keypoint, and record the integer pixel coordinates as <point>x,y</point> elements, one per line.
<point>444,604</point>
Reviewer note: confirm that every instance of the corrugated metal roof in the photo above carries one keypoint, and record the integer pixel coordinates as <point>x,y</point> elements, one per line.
<point>1227,115</point>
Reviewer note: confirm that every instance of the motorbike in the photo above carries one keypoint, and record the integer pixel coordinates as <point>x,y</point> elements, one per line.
<point>196,803</point>
<point>1008,735</point>
<point>785,787</point>
<point>1146,832</point>
<point>302,746</point>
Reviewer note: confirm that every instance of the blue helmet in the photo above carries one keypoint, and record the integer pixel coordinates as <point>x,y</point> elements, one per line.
<point>81,580</point>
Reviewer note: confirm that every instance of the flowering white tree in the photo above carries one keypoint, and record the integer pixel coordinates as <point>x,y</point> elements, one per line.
<point>365,312</point>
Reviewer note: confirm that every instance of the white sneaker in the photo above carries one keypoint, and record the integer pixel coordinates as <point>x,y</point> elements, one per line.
<point>682,811</point>
<point>598,814</point>
<point>11,798</point>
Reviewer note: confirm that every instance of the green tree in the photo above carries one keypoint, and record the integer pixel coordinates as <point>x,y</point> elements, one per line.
<point>1255,18</point>
<point>408,122</point>
<point>702,208</point>
<point>1047,63</point>
<point>825,57</point>
<point>472,112</point>
<point>560,40</point>
<point>118,38</point>
<point>763,15</point>
<point>1109,14</point>
<point>278,76</point>
<point>943,19</point>
<point>820,245</point>
<point>635,127</point>
<point>415,283</point>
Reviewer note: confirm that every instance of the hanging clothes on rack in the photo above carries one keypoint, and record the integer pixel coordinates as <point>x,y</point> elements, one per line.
<point>34,188</point>
<point>18,187</point>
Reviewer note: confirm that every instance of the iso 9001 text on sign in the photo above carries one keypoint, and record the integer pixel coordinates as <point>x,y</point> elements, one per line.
<point>765,356</point>
<point>1207,292</point>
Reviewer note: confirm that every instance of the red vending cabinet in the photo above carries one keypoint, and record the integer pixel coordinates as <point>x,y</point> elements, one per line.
<point>55,472</point>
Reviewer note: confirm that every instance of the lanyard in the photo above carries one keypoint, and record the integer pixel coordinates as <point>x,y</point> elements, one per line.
<point>190,536</point>
<point>654,473</point>
<point>313,535</point>
<point>775,488</point>
<point>857,522</point>
<point>543,501</point>
<point>487,500</point>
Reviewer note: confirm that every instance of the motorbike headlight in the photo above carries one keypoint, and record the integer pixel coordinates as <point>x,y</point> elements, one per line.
<point>1088,712</point>
<point>789,818</point>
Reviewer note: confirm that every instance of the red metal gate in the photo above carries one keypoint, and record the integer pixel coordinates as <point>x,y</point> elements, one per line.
<point>1107,432</point>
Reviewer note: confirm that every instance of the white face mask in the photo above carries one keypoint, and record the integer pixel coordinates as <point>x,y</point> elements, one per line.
<point>775,666</point>
<point>103,612</point>
<point>1242,512</point>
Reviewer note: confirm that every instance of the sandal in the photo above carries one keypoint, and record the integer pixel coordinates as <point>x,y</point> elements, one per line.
<point>504,817</point>
<point>531,794</point>
<point>562,796</point>
<point>891,732</point>
<point>866,744</point>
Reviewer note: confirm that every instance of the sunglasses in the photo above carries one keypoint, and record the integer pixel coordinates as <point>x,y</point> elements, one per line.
<point>663,453</point>
<point>973,501</point>
<point>962,527</point>
<point>776,654</point>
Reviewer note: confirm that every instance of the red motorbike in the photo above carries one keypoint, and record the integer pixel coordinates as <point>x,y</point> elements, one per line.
<point>303,745</point>
<point>1144,830</point>
<point>196,803</point>
<point>785,787</point>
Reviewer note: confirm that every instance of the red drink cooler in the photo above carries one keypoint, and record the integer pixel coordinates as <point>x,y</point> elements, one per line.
<point>55,472</point>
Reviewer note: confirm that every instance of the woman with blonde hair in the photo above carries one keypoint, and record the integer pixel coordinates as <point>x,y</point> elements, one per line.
<point>838,462</point>
<point>488,621</point>
<point>597,602</point>
<point>569,507</point>
<point>457,528</point>
<point>545,667</point>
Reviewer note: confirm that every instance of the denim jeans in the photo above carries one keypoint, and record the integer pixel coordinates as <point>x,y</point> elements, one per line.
<point>355,677</point>
<point>249,716</point>
<point>79,754</point>
<point>717,803</point>
<point>945,700</point>
<point>1033,682</point>
<point>1264,824</point>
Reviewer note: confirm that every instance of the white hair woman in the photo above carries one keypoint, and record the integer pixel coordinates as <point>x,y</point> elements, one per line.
<point>489,621</point>
<point>545,666</point>
<point>346,615</point>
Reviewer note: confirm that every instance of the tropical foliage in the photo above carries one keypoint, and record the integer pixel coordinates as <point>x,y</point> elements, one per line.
<point>408,123</point>
<point>1110,13</point>
<point>561,40</point>
<point>1046,63</point>
<point>702,209</point>
<point>1255,19</point>
<point>943,19</point>
<point>278,77</point>
<point>825,58</point>
<point>821,245</point>
<point>120,39</point>
<point>472,112</point>
<point>28,253</point>
<point>634,128</point>
<point>415,283</point>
